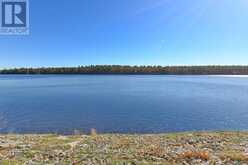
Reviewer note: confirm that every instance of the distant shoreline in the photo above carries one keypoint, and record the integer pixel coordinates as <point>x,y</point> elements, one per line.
<point>238,76</point>
<point>133,70</point>
<point>209,75</point>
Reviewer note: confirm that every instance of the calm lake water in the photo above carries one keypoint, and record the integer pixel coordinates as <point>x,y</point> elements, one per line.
<point>122,104</point>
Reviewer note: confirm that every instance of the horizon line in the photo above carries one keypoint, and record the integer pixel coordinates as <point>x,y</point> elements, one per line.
<point>151,65</point>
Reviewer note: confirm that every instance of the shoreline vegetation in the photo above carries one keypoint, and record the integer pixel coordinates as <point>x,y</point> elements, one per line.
<point>214,148</point>
<point>126,69</point>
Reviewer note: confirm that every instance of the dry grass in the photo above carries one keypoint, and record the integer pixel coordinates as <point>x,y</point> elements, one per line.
<point>234,156</point>
<point>203,155</point>
<point>184,148</point>
<point>123,143</point>
<point>153,150</point>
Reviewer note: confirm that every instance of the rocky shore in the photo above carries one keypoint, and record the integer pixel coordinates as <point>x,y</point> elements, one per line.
<point>212,148</point>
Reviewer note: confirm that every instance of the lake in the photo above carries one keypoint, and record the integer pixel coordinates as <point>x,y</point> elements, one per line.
<point>122,103</point>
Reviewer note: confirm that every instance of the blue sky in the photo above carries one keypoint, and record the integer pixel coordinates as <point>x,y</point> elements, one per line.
<point>134,32</point>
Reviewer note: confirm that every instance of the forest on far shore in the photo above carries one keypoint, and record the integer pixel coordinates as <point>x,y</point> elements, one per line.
<point>125,69</point>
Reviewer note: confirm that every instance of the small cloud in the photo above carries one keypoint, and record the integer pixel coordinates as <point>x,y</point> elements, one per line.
<point>155,5</point>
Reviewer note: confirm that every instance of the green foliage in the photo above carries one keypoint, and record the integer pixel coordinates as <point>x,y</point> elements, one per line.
<point>125,69</point>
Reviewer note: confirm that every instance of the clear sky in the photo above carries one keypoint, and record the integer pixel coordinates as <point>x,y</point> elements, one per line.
<point>134,32</point>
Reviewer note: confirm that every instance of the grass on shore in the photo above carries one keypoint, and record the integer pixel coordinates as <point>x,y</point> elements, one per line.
<point>178,148</point>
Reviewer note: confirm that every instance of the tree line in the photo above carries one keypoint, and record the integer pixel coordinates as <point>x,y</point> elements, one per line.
<point>125,69</point>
